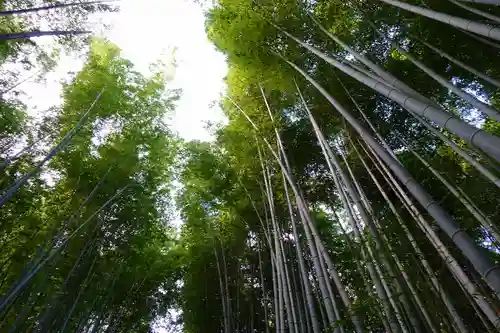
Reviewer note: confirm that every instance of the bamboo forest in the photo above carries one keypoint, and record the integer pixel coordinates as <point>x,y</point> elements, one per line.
<point>354,185</point>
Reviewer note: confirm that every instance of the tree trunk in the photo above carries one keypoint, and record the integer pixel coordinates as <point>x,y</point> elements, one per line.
<point>471,134</point>
<point>469,25</point>
<point>430,272</point>
<point>464,242</point>
<point>448,259</point>
<point>19,183</point>
<point>32,34</point>
<point>487,15</point>
<point>54,6</point>
<point>443,54</point>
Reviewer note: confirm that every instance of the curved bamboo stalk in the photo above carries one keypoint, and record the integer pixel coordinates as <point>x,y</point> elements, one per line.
<point>452,264</point>
<point>483,107</point>
<point>486,2</point>
<point>302,265</point>
<point>482,263</point>
<point>430,272</point>
<point>385,75</point>
<point>471,134</point>
<point>487,15</point>
<point>483,220</point>
<point>443,54</point>
<point>19,183</point>
<point>485,172</point>
<point>458,22</point>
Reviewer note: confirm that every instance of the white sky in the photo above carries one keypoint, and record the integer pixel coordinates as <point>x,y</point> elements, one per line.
<point>148,30</point>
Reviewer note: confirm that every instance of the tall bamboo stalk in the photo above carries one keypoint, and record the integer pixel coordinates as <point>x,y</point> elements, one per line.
<point>53,253</point>
<point>311,313</point>
<point>483,107</point>
<point>442,250</point>
<point>322,281</point>
<point>400,267</point>
<point>471,134</point>
<point>385,75</point>
<point>458,22</point>
<point>485,172</point>
<point>430,272</point>
<point>482,263</point>
<point>264,293</point>
<point>374,274</point>
<point>487,15</point>
<point>486,2</point>
<point>443,54</point>
<point>483,219</point>
<point>65,140</point>
<point>222,294</point>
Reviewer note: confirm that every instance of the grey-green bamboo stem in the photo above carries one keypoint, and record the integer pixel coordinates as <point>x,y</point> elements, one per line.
<point>375,277</point>
<point>399,265</point>
<point>483,220</point>
<point>489,143</point>
<point>483,107</point>
<point>302,266</point>
<point>458,22</point>
<point>263,287</point>
<point>487,15</point>
<point>481,261</point>
<point>386,76</point>
<point>472,70</point>
<point>304,213</point>
<point>222,294</point>
<point>486,2</point>
<point>430,272</point>
<point>452,264</point>
<point>485,172</point>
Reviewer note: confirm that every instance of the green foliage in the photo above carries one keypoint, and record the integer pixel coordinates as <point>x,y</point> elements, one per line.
<point>126,266</point>
<point>222,201</point>
<point>120,267</point>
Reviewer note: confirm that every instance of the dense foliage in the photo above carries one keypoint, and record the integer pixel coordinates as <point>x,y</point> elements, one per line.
<point>287,226</point>
<point>224,202</point>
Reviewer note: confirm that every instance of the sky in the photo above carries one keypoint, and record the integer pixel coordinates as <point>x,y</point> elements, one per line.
<point>146,31</point>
